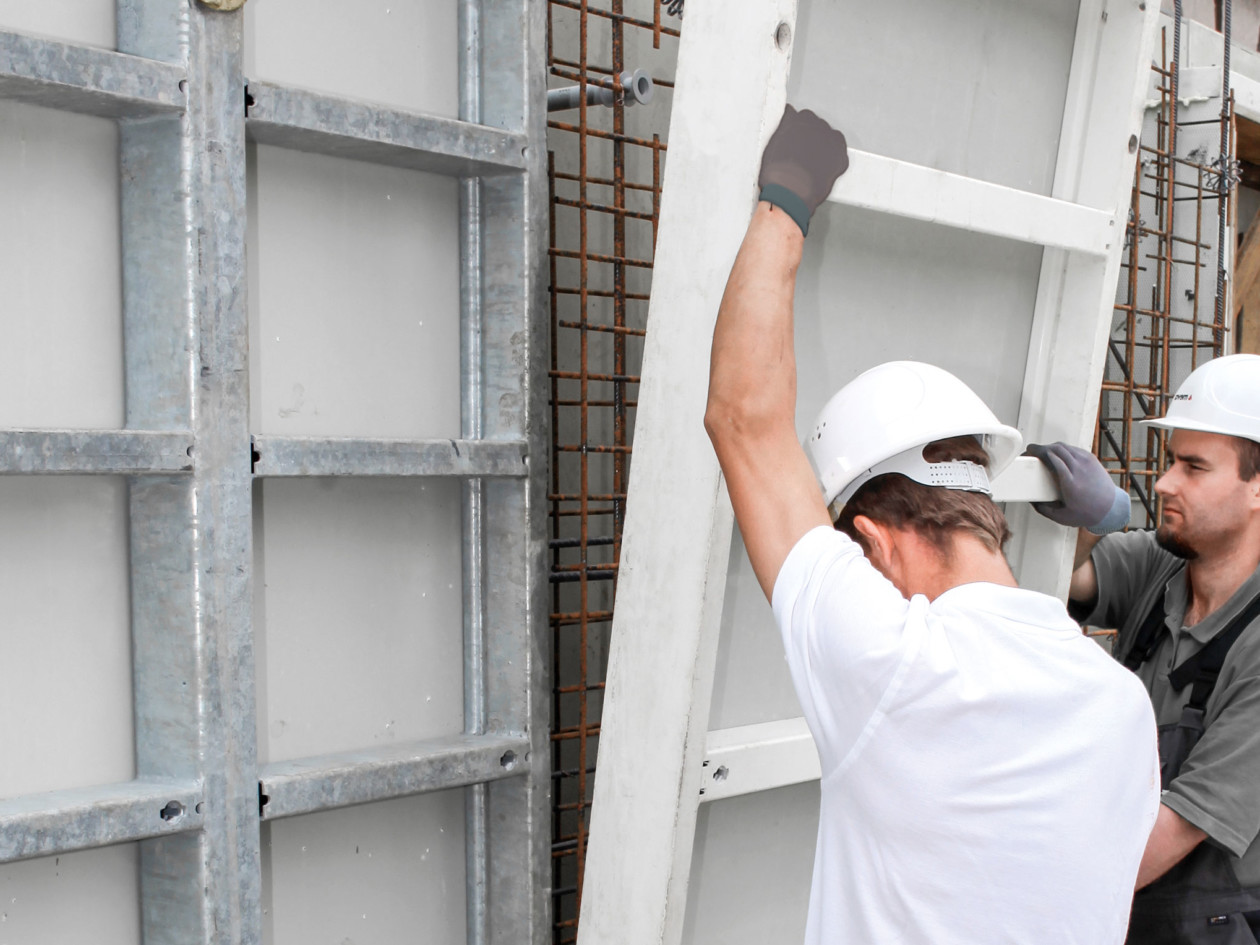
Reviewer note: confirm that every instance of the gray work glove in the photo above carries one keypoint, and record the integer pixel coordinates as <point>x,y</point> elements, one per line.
<point>1090,500</point>
<point>800,165</point>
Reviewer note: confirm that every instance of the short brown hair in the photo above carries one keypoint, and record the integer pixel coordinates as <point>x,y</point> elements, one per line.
<point>1248,458</point>
<point>936,514</point>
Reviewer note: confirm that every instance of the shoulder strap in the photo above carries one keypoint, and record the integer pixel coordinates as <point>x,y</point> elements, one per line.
<point>1148,635</point>
<point>1205,666</point>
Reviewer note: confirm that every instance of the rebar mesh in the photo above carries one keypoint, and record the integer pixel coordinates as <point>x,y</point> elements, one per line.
<point>605,175</point>
<point>1164,326</point>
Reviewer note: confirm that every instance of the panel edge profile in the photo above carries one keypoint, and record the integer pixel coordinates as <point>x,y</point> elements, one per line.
<point>751,758</point>
<point>917,192</point>
<point>345,779</point>
<point>308,121</point>
<point>71,77</point>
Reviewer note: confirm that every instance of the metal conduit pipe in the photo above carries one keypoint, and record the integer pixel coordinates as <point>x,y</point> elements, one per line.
<point>637,87</point>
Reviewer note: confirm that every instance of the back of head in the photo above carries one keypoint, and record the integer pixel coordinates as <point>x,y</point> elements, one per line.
<point>938,515</point>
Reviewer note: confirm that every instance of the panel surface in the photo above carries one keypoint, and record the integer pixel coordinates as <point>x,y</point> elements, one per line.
<point>865,278</point>
<point>975,87</point>
<point>87,898</point>
<point>757,853</point>
<point>358,610</point>
<point>396,52</point>
<point>65,641</point>
<point>388,872</point>
<point>354,298</point>
<point>90,22</point>
<point>60,270</point>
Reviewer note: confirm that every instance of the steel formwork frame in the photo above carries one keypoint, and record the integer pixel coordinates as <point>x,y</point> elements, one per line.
<point>199,797</point>
<point>593,395</point>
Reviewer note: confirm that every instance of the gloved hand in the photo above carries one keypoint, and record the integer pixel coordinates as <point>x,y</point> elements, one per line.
<point>1090,499</point>
<point>800,165</point>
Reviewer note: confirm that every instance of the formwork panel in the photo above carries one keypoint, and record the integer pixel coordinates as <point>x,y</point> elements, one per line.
<point>358,614</point>
<point>65,643</point>
<point>865,277</point>
<point>354,298</point>
<point>61,362</point>
<point>90,22</point>
<point>756,849</point>
<point>974,87</point>
<point>86,898</point>
<point>387,872</point>
<point>396,52</point>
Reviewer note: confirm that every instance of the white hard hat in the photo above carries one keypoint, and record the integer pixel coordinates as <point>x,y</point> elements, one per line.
<point>880,421</point>
<point>1222,396</point>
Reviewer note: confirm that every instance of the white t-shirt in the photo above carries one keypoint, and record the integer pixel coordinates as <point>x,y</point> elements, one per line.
<point>989,774</point>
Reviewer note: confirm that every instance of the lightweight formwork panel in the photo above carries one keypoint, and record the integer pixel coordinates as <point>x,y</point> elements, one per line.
<point>978,228</point>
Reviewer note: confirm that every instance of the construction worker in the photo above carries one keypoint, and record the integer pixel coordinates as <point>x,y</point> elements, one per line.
<point>1186,599</point>
<point>989,774</point>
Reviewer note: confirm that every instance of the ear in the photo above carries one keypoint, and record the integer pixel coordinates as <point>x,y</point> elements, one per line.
<point>877,538</point>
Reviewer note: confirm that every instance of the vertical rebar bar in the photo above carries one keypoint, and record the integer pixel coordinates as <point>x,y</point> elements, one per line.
<point>597,249</point>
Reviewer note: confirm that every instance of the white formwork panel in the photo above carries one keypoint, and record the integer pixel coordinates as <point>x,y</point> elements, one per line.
<point>354,297</point>
<point>864,278</point>
<point>359,608</point>
<point>65,640</point>
<point>758,848</point>
<point>403,53</point>
<point>90,22</point>
<point>871,288</point>
<point>972,88</point>
<point>61,360</point>
<point>85,898</point>
<point>385,872</point>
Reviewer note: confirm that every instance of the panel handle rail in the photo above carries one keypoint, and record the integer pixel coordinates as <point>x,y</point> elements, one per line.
<point>903,189</point>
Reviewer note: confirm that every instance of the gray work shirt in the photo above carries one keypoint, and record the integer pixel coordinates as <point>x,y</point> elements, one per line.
<point>1218,789</point>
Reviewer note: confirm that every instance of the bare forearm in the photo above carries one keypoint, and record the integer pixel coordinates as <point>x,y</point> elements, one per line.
<point>1084,584</point>
<point>753,369</point>
<point>1171,840</point>
<point>1085,542</point>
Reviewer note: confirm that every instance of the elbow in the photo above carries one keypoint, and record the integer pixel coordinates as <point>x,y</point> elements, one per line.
<point>744,419</point>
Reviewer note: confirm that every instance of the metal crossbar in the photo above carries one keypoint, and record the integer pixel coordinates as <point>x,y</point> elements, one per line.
<point>199,796</point>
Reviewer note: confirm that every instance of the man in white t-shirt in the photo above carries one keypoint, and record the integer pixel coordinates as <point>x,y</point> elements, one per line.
<point>988,773</point>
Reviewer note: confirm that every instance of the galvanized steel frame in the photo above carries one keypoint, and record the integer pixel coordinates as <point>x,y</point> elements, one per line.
<point>176,85</point>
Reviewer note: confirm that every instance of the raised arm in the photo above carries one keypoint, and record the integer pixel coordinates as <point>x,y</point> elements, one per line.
<point>752,377</point>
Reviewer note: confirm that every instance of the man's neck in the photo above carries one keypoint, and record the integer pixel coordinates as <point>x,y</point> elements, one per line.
<point>970,563</point>
<point>1214,579</point>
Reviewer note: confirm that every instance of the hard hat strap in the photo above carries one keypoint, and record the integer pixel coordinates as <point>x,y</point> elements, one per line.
<point>957,474</point>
